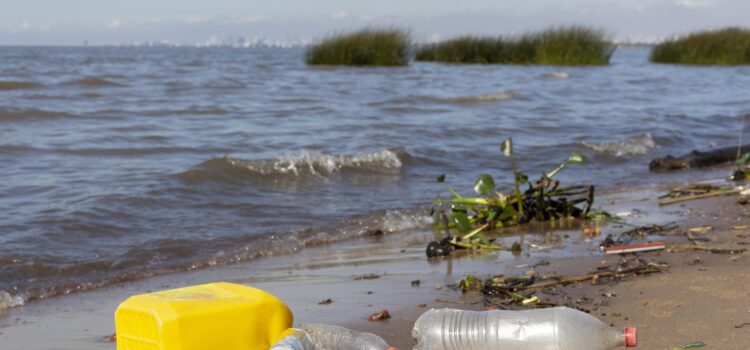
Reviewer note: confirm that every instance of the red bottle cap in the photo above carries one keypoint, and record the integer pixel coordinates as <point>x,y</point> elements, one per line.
<point>630,341</point>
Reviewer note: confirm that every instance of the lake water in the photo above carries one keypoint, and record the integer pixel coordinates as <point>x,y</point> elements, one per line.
<point>121,163</point>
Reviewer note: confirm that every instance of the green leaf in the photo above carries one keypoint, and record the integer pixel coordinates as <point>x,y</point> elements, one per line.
<point>485,184</point>
<point>453,192</point>
<point>576,158</point>
<point>600,214</point>
<point>697,344</point>
<point>474,233</point>
<point>480,239</point>
<point>469,282</point>
<point>468,201</point>
<point>744,159</point>
<point>506,147</point>
<point>507,213</point>
<point>462,222</point>
<point>555,171</point>
<point>521,178</point>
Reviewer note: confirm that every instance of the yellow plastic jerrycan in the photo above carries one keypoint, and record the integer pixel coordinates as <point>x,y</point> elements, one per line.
<point>221,316</point>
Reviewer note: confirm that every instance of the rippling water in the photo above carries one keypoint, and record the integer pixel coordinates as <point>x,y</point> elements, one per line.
<point>120,163</point>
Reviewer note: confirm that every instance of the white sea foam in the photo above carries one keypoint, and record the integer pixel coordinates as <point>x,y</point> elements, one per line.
<point>482,98</point>
<point>397,221</point>
<point>326,164</point>
<point>634,146</point>
<point>557,75</point>
<point>8,301</point>
<point>323,164</point>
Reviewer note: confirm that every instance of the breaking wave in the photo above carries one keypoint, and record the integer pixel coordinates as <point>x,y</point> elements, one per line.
<point>8,301</point>
<point>303,164</point>
<point>400,220</point>
<point>633,146</point>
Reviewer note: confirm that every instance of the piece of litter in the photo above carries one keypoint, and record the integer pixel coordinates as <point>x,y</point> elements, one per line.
<point>367,276</point>
<point>634,248</point>
<point>379,316</point>
<point>697,344</point>
<point>528,301</point>
<point>592,231</point>
<point>702,229</point>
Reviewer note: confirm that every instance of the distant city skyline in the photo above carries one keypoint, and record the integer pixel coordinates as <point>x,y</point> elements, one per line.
<point>288,22</point>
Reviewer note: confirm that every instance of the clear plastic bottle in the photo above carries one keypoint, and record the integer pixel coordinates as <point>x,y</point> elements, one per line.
<point>297,340</point>
<point>557,328</point>
<point>327,337</point>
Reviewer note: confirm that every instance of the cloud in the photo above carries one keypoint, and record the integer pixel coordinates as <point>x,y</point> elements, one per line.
<point>340,15</point>
<point>695,3</point>
<point>115,23</point>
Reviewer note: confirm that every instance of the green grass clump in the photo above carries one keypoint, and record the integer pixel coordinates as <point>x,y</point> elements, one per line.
<point>569,46</point>
<point>368,47</point>
<point>478,50</point>
<point>727,47</point>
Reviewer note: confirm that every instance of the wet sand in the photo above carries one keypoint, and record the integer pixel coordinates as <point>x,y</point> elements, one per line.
<point>702,297</point>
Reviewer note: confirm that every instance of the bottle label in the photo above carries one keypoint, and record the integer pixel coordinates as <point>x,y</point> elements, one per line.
<point>630,339</point>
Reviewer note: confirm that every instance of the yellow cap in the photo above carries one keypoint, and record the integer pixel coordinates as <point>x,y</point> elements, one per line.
<point>219,315</point>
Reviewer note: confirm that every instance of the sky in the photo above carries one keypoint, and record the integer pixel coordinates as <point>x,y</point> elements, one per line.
<point>73,22</point>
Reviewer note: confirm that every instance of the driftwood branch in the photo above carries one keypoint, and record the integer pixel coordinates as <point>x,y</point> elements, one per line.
<point>699,196</point>
<point>684,248</point>
<point>645,269</point>
<point>698,159</point>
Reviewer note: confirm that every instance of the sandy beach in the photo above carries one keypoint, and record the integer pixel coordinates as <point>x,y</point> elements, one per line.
<point>700,297</point>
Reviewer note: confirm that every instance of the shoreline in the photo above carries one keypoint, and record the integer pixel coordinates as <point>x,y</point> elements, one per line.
<point>678,302</point>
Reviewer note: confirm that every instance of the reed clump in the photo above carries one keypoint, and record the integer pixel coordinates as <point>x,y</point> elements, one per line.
<point>726,47</point>
<point>569,46</point>
<point>367,47</point>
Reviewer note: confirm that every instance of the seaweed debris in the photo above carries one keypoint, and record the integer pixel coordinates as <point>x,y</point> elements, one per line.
<point>741,172</point>
<point>700,191</point>
<point>628,236</point>
<point>533,290</point>
<point>469,217</point>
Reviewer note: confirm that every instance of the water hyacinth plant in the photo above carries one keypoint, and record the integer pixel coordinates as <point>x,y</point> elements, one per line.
<point>570,46</point>
<point>367,47</point>
<point>741,171</point>
<point>464,219</point>
<point>727,47</point>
